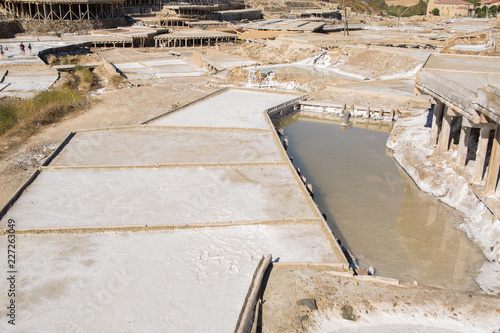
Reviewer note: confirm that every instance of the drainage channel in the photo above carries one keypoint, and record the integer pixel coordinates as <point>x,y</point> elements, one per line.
<point>376,210</point>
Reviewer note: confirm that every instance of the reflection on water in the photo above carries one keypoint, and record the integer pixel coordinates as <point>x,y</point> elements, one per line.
<point>377,211</point>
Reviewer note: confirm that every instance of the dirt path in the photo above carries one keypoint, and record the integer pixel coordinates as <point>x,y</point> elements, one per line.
<point>129,106</point>
<point>298,298</point>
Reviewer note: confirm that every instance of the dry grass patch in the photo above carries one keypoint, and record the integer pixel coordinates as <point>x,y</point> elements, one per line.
<point>21,118</point>
<point>85,77</point>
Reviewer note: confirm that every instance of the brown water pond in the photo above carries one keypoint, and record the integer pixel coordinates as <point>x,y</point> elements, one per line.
<point>376,210</point>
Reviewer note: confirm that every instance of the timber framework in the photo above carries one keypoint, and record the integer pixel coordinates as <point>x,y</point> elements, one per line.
<point>52,10</point>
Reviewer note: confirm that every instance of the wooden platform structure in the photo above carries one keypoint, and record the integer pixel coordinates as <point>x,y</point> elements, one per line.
<point>142,6</point>
<point>320,13</point>
<point>466,110</point>
<point>205,12</point>
<point>208,2</point>
<point>72,10</point>
<point>285,25</point>
<point>194,38</point>
<point>169,21</point>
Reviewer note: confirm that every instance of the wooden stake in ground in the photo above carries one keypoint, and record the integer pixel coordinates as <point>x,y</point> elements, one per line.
<point>346,27</point>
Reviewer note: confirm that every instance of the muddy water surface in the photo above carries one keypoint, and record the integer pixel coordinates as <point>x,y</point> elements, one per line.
<point>377,211</point>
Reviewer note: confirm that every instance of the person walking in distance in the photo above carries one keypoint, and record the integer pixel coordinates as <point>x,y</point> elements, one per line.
<point>1,52</point>
<point>29,47</point>
<point>23,53</point>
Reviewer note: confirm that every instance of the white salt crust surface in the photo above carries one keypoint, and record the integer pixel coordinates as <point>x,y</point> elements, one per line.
<point>149,145</point>
<point>232,108</point>
<point>413,320</point>
<point>190,280</point>
<point>160,196</point>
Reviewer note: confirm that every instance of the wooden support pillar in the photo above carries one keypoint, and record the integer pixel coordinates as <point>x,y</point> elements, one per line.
<point>494,165</point>
<point>463,146</point>
<point>482,147</point>
<point>444,136</point>
<point>437,116</point>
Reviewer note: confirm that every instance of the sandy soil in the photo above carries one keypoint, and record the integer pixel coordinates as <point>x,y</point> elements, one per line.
<point>292,291</point>
<point>118,108</point>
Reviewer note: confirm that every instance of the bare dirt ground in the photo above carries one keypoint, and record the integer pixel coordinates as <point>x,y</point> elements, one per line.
<point>129,106</point>
<point>323,299</point>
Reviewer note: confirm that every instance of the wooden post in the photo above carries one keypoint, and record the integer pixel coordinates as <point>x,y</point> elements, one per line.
<point>437,117</point>
<point>444,136</point>
<point>368,112</point>
<point>482,147</point>
<point>463,146</point>
<point>492,176</point>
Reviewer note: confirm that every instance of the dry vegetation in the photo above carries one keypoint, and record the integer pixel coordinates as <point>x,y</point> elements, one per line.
<point>21,118</point>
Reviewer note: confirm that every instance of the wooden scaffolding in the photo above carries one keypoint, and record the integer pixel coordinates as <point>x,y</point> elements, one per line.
<point>53,10</point>
<point>142,6</point>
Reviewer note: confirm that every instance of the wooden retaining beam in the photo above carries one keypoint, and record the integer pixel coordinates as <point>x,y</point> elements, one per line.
<point>245,320</point>
<point>201,39</point>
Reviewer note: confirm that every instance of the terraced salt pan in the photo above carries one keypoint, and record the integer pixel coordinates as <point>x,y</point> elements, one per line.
<point>129,65</point>
<point>30,79</point>
<point>151,146</point>
<point>189,280</point>
<point>21,83</point>
<point>232,108</point>
<point>139,77</point>
<point>157,69</point>
<point>27,87</point>
<point>177,69</point>
<point>169,196</point>
<point>163,75</point>
<point>167,62</point>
